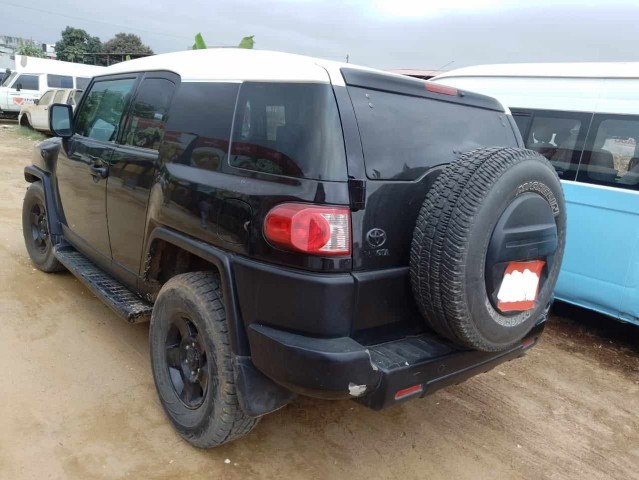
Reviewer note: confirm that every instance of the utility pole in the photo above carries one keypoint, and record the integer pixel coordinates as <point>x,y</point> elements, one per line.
<point>347,58</point>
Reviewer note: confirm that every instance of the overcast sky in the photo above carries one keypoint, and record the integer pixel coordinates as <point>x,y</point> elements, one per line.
<point>377,33</point>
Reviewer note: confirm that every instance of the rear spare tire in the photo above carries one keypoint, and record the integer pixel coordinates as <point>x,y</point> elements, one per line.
<point>491,207</point>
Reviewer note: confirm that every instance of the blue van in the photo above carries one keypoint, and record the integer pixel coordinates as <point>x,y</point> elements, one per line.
<point>584,118</point>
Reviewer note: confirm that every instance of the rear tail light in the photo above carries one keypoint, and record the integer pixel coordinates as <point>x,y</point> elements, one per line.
<point>313,229</point>
<point>443,89</point>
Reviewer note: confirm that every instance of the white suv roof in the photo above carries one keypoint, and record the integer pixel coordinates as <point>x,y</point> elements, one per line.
<point>565,70</point>
<point>237,64</point>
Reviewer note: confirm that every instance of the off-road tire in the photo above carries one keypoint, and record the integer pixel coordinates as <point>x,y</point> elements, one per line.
<point>42,255</point>
<point>219,419</point>
<point>451,238</point>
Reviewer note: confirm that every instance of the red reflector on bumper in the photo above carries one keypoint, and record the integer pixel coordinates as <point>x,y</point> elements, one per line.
<point>408,391</point>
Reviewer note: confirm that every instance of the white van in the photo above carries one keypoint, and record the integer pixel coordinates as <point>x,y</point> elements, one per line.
<point>34,76</point>
<point>584,118</point>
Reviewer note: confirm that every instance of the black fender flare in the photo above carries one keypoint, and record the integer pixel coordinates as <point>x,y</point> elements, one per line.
<point>257,393</point>
<point>34,174</point>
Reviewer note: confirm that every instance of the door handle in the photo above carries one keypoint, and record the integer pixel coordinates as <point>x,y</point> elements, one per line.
<point>100,172</point>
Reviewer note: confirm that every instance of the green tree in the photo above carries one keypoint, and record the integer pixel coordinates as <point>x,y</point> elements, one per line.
<point>247,42</point>
<point>30,50</point>
<point>124,43</point>
<point>75,43</point>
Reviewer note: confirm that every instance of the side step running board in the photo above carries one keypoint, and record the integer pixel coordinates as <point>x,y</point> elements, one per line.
<point>122,300</point>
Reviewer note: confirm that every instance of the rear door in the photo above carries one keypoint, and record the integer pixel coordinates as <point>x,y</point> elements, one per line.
<point>83,164</point>
<point>132,168</point>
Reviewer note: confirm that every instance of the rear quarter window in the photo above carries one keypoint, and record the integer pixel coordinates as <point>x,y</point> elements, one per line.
<point>403,136</point>
<point>59,81</point>
<point>289,129</point>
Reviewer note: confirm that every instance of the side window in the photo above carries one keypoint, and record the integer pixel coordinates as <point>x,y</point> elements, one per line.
<point>612,154</point>
<point>558,136</point>
<point>198,127</point>
<point>101,113</point>
<point>59,81</point>
<point>46,98</point>
<point>82,83</point>
<point>145,126</point>
<point>27,82</point>
<point>59,96</point>
<point>290,129</point>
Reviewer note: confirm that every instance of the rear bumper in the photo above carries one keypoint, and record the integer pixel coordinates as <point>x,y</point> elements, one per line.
<point>341,368</point>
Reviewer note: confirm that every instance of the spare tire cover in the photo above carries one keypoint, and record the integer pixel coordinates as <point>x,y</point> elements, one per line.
<point>490,207</point>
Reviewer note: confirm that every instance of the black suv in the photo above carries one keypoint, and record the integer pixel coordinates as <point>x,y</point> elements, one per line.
<point>296,226</point>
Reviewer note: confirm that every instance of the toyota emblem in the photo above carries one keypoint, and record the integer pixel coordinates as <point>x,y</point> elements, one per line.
<point>376,237</point>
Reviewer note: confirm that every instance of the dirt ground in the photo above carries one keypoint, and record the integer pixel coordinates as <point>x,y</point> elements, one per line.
<point>77,399</point>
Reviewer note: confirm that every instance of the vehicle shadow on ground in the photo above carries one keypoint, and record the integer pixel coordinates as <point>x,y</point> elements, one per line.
<point>612,343</point>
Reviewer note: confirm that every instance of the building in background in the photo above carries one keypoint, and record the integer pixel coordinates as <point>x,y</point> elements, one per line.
<point>9,45</point>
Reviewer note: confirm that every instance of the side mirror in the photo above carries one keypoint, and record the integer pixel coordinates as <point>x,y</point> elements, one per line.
<point>61,120</point>
<point>36,101</point>
<point>18,87</point>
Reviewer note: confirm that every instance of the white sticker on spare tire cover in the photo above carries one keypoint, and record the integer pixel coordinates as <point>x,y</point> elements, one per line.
<point>543,190</point>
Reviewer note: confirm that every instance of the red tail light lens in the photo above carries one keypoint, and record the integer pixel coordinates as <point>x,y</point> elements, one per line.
<point>443,89</point>
<point>317,230</point>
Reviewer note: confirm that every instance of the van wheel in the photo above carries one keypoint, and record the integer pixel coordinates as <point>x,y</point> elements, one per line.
<point>35,229</point>
<point>192,361</point>
<point>491,207</point>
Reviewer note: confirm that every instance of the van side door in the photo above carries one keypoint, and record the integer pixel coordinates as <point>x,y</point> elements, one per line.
<point>26,89</point>
<point>133,167</point>
<point>604,219</point>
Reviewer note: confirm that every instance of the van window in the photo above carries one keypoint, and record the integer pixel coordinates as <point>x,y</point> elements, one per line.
<point>59,81</point>
<point>198,127</point>
<point>100,115</point>
<point>558,136</point>
<point>82,83</point>
<point>8,79</point>
<point>403,136</point>
<point>145,125</point>
<point>612,154</point>
<point>27,82</point>
<point>289,129</point>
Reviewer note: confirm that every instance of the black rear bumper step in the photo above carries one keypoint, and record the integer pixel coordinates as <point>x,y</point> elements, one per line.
<point>121,300</point>
<point>340,368</point>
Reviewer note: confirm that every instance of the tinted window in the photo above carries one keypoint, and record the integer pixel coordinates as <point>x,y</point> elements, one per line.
<point>402,136</point>
<point>558,136</point>
<point>46,98</point>
<point>59,96</point>
<point>198,128</point>
<point>28,82</point>
<point>82,83</point>
<point>60,81</point>
<point>145,125</point>
<point>101,113</point>
<point>523,122</point>
<point>612,153</point>
<point>289,129</point>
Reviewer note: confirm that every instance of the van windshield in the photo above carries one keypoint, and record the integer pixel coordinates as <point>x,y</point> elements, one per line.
<point>9,79</point>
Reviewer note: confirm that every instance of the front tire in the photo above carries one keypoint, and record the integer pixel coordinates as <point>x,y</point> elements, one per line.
<point>192,361</point>
<point>35,229</point>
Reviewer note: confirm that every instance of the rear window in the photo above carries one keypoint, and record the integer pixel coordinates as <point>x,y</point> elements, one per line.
<point>288,129</point>
<point>59,81</point>
<point>403,136</point>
